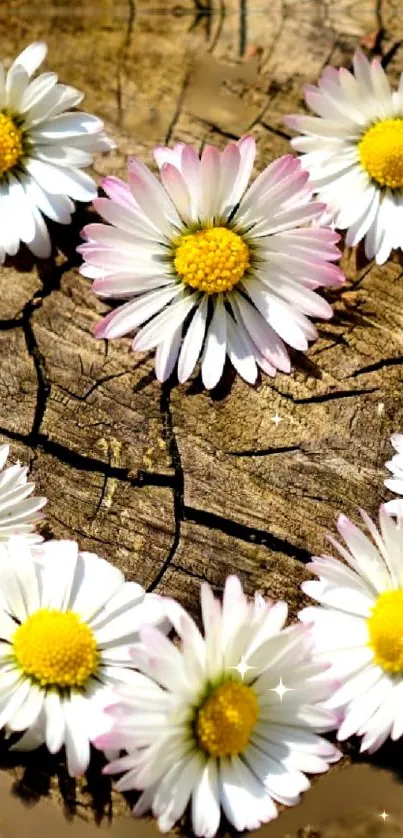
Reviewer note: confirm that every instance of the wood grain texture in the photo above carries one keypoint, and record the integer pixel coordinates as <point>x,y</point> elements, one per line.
<point>174,484</point>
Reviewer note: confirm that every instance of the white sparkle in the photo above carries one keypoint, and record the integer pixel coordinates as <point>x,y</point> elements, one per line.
<point>281,689</point>
<point>384,815</point>
<point>276,419</point>
<point>242,667</point>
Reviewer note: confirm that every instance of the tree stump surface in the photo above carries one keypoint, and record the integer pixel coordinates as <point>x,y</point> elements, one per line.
<point>173,484</point>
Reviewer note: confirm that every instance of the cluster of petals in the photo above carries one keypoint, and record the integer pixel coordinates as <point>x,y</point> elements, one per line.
<point>39,587</point>
<point>55,144</point>
<point>227,721</point>
<point>395,483</point>
<point>19,512</point>
<point>246,649</point>
<point>358,627</point>
<point>133,258</point>
<point>347,106</point>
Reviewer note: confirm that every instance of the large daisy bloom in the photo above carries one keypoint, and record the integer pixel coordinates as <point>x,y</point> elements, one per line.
<point>358,628</point>
<point>19,512</point>
<point>43,148</point>
<point>395,483</point>
<point>228,720</point>
<point>66,621</point>
<point>353,151</point>
<point>211,267</point>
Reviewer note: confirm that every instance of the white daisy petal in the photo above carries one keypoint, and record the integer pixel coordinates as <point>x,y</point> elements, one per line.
<point>192,343</point>
<point>205,802</point>
<point>55,722</point>
<point>215,347</point>
<point>32,56</point>
<point>166,355</point>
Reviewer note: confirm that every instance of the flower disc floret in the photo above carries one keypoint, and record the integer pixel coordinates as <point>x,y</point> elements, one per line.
<point>381,152</point>
<point>385,626</point>
<point>56,649</point>
<point>226,719</point>
<point>11,144</point>
<point>212,260</point>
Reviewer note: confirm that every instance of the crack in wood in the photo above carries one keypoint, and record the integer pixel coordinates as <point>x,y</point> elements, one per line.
<point>321,398</point>
<point>243,27</point>
<point>178,482</point>
<point>81,462</point>
<point>264,452</point>
<point>123,58</point>
<point>378,365</point>
<point>246,533</point>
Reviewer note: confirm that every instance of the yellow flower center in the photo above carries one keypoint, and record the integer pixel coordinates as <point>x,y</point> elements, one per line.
<point>226,719</point>
<point>212,260</point>
<point>381,152</point>
<point>385,626</point>
<point>11,147</point>
<point>56,649</point>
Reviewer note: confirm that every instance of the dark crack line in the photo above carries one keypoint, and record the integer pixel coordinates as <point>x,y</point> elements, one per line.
<point>245,533</point>
<point>43,386</point>
<point>264,452</point>
<point>40,442</point>
<point>243,26</point>
<point>378,365</point>
<point>277,131</point>
<point>178,109</point>
<point>217,35</point>
<point>178,481</point>
<point>220,131</point>
<point>94,386</point>
<point>188,572</point>
<point>50,282</point>
<point>326,397</point>
<point>123,58</point>
<point>12,323</point>
<point>380,27</point>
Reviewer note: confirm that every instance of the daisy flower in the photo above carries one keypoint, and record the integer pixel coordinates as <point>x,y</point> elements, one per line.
<point>18,512</point>
<point>200,256</point>
<point>43,149</point>
<point>228,720</point>
<point>395,483</point>
<point>358,628</point>
<point>66,621</point>
<point>353,151</point>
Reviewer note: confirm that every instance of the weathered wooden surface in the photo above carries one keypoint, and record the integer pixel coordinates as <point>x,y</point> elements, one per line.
<point>175,485</point>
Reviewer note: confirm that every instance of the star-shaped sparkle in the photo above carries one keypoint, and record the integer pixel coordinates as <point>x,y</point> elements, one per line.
<point>276,419</point>
<point>384,815</point>
<point>281,689</point>
<point>242,667</point>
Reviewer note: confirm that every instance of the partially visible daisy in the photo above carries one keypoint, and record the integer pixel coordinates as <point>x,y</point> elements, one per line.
<point>210,267</point>
<point>44,146</point>
<point>18,512</point>
<point>395,483</point>
<point>358,628</point>
<point>228,720</point>
<point>353,150</point>
<point>67,619</point>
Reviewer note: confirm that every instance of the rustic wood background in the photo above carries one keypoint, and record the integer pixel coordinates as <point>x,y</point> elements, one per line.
<point>174,484</point>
